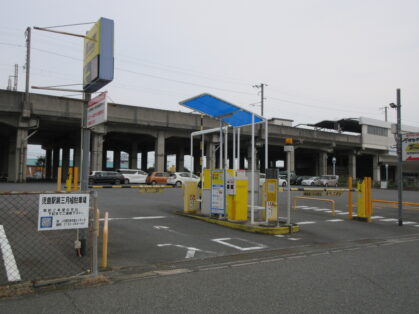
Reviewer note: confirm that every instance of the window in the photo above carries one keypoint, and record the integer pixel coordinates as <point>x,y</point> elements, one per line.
<point>375,130</point>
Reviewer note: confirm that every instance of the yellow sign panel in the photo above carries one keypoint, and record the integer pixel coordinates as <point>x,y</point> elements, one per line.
<point>217,177</point>
<point>91,54</point>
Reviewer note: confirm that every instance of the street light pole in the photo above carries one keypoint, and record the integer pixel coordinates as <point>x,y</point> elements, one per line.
<point>399,154</point>
<point>334,164</point>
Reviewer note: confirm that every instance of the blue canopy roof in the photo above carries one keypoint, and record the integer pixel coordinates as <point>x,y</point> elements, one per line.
<point>221,110</point>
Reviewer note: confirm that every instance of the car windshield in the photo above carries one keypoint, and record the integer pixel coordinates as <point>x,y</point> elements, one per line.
<point>313,178</point>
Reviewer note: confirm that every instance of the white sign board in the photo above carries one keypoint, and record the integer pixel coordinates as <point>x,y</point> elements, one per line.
<point>63,211</point>
<point>410,146</point>
<point>97,110</point>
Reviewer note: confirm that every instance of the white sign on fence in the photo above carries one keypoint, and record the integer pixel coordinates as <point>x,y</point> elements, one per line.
<point>97,110</point>
<point>63,211</point>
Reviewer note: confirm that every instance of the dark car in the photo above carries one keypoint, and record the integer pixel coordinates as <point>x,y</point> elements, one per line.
<point>110,177</point>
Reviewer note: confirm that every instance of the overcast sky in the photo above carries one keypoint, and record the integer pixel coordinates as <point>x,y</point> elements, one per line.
<point>321,59</point>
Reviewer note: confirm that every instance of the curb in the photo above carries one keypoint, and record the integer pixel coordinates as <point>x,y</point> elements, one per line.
<point>247,228</point>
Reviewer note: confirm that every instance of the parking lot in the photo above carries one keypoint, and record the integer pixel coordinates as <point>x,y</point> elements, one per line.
<point>144,229</point>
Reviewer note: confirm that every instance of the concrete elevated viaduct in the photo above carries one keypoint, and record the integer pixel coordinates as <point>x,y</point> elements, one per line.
<point>54,122</point>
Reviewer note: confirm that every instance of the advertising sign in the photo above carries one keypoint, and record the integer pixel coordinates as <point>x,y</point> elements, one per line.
<point>217,192</point>
<point>410,146</point>
<point>63,211</point>
<point>97,110</point>
<point>98,60</point>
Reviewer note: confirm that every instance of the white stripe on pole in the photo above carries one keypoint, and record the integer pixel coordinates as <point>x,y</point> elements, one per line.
<point>220,164</point>
<point>191,170</point>
<point>226,150</point>
<point>234,149</point>
<point>10,265</point>
<point>238,148</point>
<point>252,196</point>
<point>266,145</point>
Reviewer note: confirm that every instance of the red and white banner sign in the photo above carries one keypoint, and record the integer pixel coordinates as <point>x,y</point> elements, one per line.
<point>97,110</point>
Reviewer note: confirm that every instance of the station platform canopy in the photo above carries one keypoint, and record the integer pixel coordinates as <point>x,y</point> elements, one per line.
<point>222,110</point>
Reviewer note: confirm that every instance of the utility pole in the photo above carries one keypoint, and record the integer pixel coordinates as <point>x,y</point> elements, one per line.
<point>385,112</point>
<point>261,86</point>
<point>25,111</point>
<point>16,77</point>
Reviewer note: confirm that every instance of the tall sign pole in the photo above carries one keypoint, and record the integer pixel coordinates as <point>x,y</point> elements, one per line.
<point>399,156</point>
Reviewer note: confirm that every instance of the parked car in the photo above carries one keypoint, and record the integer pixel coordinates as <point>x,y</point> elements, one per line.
<point>133,175</point>
<point>157,178</point>
<point>329,180</point>
<point>300,179</point>
<point>281,180</point>
<point>311,181</point>
<point>293,176</point>
<point>179,178</point>
<point>111,177</point>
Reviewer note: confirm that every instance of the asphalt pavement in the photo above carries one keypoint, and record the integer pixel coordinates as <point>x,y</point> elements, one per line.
<point>332,264</point>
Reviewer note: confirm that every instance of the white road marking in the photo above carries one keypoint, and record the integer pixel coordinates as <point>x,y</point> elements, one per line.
<point>190,251</point>
<point>160,227</point>
<point>409,222</point>
<point>279,235</point>
<point>9,259</point>
<point>343,213</point>
<point>306,222</point>
<point>388,219</point>
<point>135,218</point>
<point>334,220</point>
<point>223,242</point>
<point>329,211</point>
<point>416,226</point>
<point>294,239</point>
<point>301,206</point>
<point>309,208</point>
<point>377,217</point>
<point>320,209</point>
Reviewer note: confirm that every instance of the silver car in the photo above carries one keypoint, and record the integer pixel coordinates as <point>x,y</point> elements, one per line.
<point>329,180</point>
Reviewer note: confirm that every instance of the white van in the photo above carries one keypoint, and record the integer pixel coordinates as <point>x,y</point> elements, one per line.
<point>329,180</point>
<point>133,175</point>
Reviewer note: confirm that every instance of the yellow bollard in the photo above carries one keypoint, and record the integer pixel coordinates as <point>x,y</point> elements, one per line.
<point>59,176</point>
<point>76,179</point>
<point>69,180</point>
<point>105,242</point>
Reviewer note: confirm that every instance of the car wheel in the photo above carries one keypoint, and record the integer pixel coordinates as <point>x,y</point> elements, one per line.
<point>117,181</point>
<point>153,182</point>
<point>178,184</point>
<point>312,183</point>
<point>126,181</point>
<point>284,184</point>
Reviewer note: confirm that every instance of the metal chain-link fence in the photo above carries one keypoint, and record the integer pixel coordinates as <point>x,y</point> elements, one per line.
<point>35,242</point>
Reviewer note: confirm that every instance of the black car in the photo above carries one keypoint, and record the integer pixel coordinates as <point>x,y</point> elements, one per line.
<point>110,177</point>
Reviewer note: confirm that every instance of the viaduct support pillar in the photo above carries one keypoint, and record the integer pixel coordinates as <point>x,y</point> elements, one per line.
<point>159,152</point>
<point>17,156</point>
<point>65,162</point>
<point>210,153</point>
<point>144,160</point>
<point>180,159</point>
<point>77,157</point>
<point>133,157</point>
<point>48,163</point>
<point>116,159</point>
<point>322,164</point>
<point>55,161</point>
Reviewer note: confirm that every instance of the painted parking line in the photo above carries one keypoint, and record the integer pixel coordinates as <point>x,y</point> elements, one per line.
<point>389,219</point>
<point>10,265</point>
<point>343,213</point>
<point>306,222</point>
<point>377,217</point>
<point>334,220</point>
<point>224,241</point>
<point>409,222</point>
<point>134,218</point>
